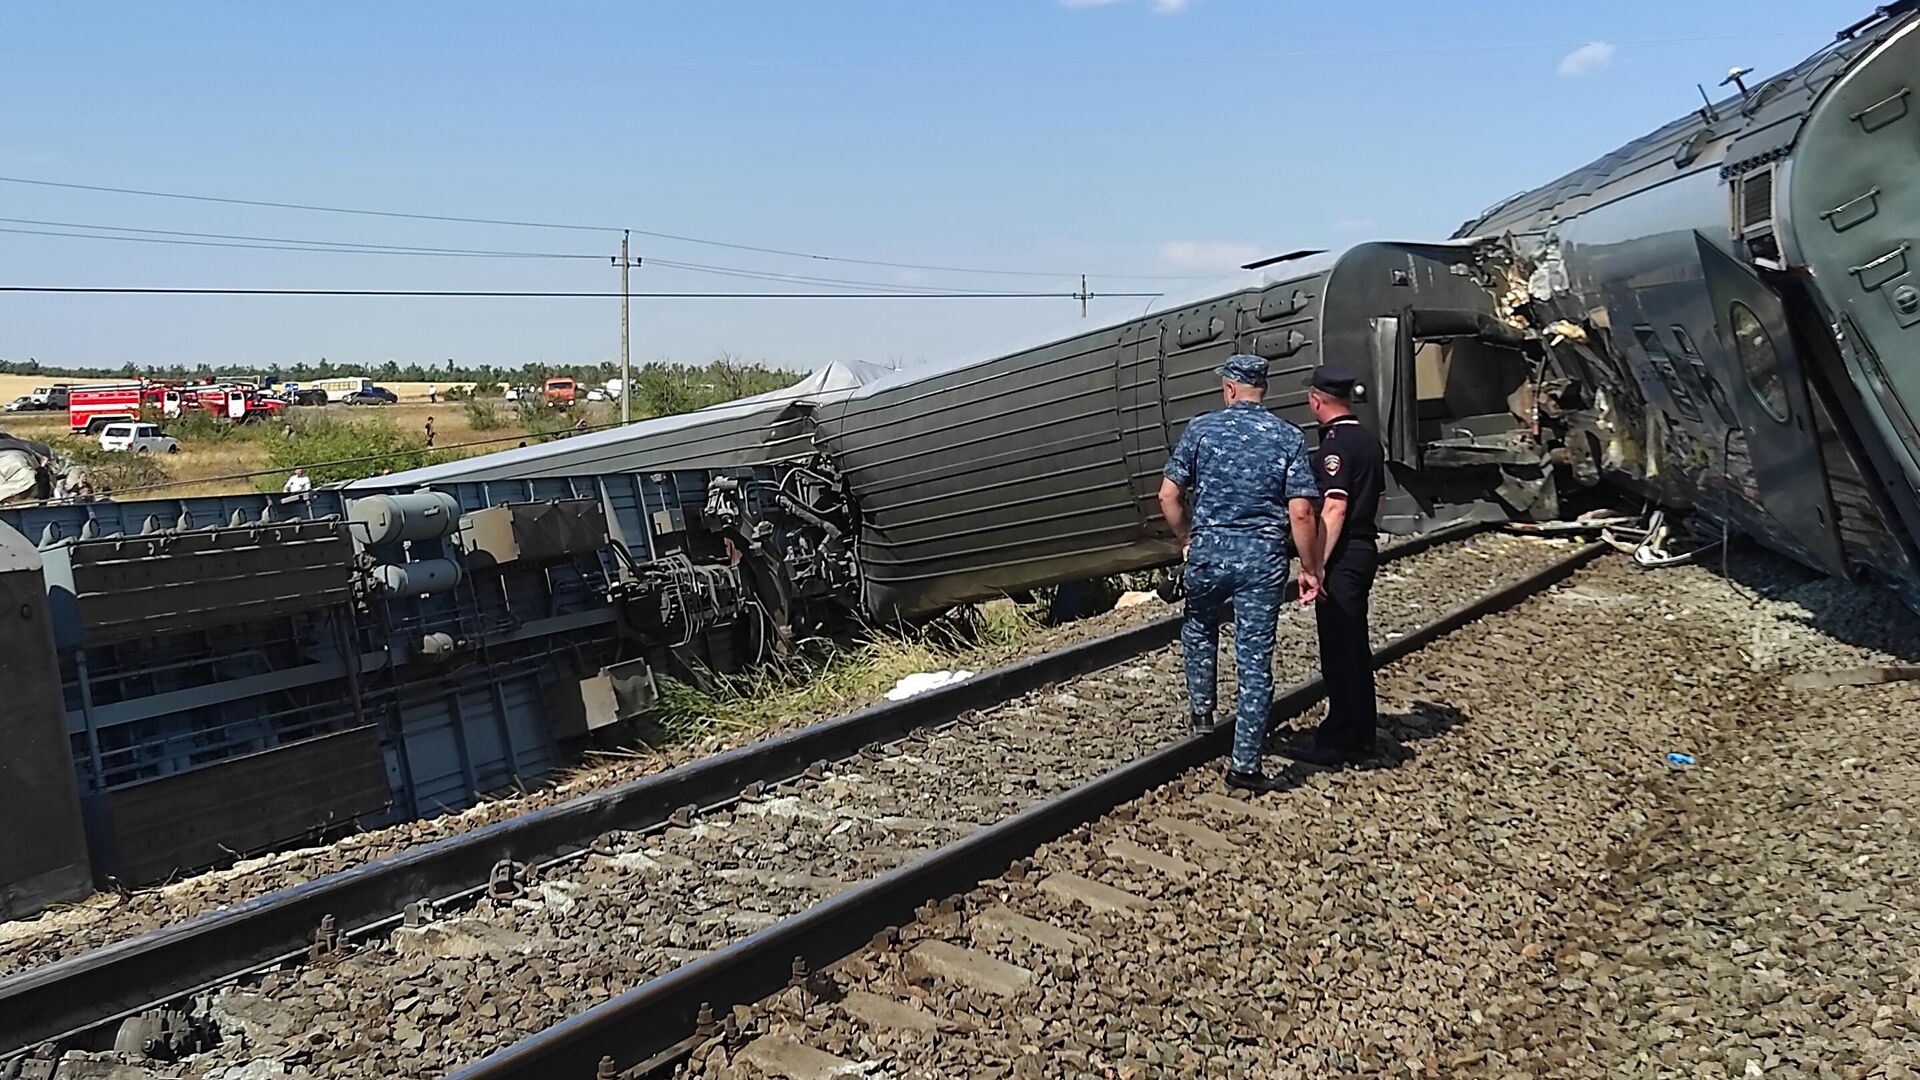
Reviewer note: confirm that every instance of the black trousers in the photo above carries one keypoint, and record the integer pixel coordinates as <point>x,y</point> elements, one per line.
<point>1346,653</point>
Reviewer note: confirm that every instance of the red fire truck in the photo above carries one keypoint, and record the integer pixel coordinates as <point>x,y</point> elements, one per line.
<point>90,408</point>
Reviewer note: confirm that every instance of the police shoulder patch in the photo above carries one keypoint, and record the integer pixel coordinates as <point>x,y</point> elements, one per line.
<point>1332,464</point>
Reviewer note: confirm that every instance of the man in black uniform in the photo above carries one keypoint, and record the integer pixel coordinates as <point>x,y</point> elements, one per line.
<point>1349,468</point>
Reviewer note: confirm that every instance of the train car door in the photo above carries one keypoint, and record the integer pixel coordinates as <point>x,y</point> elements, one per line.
<point>1769,392</point>
<point>1140,393</point>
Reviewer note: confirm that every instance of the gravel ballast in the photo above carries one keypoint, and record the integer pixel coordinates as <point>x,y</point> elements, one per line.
<point>1523,885</point>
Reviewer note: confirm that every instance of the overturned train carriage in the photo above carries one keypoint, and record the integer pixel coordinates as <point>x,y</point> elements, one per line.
<point>1042,465</point>
<point>1740,301</point>
<point>228,674</point>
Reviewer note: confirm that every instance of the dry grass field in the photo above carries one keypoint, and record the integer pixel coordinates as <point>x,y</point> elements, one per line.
<point>13,386</point>
<point>213,467</point>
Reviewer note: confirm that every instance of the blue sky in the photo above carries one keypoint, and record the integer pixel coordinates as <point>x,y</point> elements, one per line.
<point>1160,138</point>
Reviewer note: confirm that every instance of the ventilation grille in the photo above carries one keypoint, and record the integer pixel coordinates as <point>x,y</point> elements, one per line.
<point>1753,202</point>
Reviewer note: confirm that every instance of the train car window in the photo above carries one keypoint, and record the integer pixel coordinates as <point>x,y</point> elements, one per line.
<point>1715,392</point>
<point>1760,360</point>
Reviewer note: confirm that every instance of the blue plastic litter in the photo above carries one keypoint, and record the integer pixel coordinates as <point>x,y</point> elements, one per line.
<point>1680,759</point>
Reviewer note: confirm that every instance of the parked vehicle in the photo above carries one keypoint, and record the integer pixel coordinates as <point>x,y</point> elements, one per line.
<point>50,397</point>
<point>139,438</point>
<point>338,388</point>
<point>596,394</point>
<point>241,404</point>
<point>24,404</point>
<point>372,395</point>
<point>90,408</point>
<point>558,393</point>
<point>305,396</point>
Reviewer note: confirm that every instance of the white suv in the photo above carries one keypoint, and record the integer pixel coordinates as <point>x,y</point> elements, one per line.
<point>140,438</point>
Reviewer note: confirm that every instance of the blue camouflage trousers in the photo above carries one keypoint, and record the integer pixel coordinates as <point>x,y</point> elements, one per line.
<point>1252,572</point>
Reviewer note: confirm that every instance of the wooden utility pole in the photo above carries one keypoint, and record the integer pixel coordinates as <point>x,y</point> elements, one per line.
<point>626,264</point>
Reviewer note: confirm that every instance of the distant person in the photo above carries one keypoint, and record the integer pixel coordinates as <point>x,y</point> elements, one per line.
<point>286,431</point>
<point>1246,473</point>
<point>298,482</point>
<point>433,398</point>
<point>429,432</point>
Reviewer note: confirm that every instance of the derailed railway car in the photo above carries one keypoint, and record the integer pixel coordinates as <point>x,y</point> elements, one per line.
<point>230,674</point>
<point>1740,298</point>
<point>1042,465</point>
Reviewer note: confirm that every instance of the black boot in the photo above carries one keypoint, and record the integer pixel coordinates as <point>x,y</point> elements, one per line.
<point>1256,782</point>
<point>1199,723</point>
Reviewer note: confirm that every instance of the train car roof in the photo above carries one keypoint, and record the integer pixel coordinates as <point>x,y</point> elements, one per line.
<point>608,449</point>
<point>1244,281</point>
<point>600,451</point>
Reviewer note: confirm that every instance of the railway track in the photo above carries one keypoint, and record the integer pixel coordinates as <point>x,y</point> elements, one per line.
<point>656,877</point>
<point>1457,909</point>
<point>658,1026</point>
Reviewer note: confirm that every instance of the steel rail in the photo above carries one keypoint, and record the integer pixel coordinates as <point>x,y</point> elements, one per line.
<point>72,1001</point>
<point>650,1027</point>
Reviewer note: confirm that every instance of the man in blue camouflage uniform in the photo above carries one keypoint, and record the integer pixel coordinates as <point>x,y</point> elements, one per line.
<point>1247,474</point>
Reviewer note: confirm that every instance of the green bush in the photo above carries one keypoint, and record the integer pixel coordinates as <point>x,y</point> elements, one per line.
<point>483,415</point>
<point>359,449</point>
<point>537,419</point>
<point>665,389</point>
<point>109,470</point>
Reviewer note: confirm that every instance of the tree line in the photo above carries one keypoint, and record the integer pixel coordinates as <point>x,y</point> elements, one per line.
<point>677,387</point>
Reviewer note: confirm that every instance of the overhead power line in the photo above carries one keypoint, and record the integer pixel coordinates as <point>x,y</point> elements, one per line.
<point>804,279</point>
<point>580,227</point>
<point>244,242</point>
<point>566,295</point>
<point>267,243</point>
<point>247,242</point>
<point>304,206</point>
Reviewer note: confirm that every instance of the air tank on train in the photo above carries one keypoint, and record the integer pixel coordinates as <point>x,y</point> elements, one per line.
<point>417,578</point>
<point>378,520</point>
